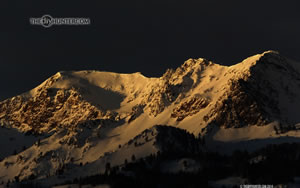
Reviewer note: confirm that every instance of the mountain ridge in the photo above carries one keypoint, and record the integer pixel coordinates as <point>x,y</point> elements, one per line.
<point>154,94</point>
<point>86,117</point>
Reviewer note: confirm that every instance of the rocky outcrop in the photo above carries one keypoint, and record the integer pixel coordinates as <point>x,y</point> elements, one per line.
<point>173,83</point>
<point>137,110</point>
<point>48,109</point>
<point>252,98</point>
<point>238,108</point>
<point>189,108</point>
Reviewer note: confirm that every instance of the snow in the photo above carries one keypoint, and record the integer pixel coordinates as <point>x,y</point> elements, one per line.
<point>228,182</point>
<point>249,138</point>
<point>79,137</point>
<point>109,90</point>
<point>12,137</point>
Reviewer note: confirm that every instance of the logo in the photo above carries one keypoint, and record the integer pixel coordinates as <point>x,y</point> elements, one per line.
<point>48,21</point>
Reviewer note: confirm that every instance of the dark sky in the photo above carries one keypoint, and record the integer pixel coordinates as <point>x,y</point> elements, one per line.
<point>139,36</point>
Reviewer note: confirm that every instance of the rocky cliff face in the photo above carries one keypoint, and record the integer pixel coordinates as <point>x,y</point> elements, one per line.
<point>174,84</point>
<point>48,109</point>
<point>253,96</point>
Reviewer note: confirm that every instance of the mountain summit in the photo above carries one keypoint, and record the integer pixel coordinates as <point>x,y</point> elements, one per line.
<point>84,118</point>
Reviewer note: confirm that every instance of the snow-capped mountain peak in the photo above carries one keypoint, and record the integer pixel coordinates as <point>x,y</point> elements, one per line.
<point>90,116</point>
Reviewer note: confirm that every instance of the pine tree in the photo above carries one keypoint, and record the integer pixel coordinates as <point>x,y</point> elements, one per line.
<point>38,143</point>
<point>133,158</point>
<point>107,168</point>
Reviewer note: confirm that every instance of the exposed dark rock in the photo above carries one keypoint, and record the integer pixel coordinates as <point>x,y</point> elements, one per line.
<point>137,110</point>
<point>190,107</point>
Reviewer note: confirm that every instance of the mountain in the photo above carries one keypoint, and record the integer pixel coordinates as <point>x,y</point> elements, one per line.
<point>74,123</point>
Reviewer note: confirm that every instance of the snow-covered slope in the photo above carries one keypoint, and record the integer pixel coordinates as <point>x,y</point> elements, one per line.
<point>88,118</point>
